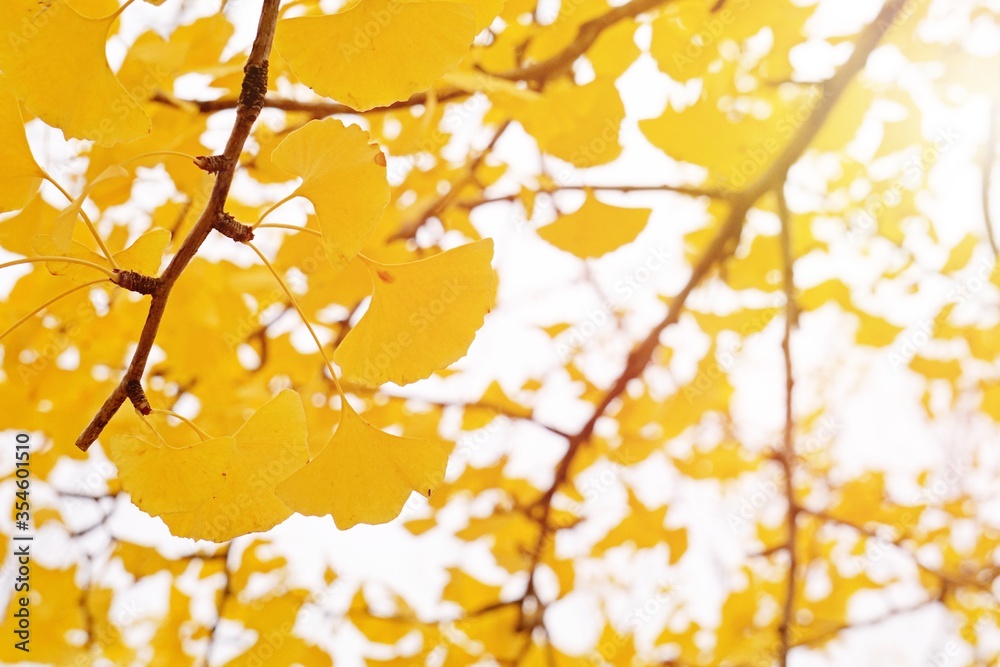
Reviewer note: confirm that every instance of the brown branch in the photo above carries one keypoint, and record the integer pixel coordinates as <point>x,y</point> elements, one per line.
<point>225,595</point>
<point>440,204</point>
<point>586,35</point>
<point>134,392</point>
<point>318,108</point>
<point>867,623</point>
<point>248,108</point>
<point>899,541</point>
<point>136,282</point>
<point>722,245</point>
<point>988,159</point>
<point>228,226</point>
<point>787,458</point>
<point>213,164</point>
<point>497,410</point>
<point>691,191</point>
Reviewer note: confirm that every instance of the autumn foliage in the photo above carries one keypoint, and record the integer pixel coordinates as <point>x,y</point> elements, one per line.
<point>454,332</point>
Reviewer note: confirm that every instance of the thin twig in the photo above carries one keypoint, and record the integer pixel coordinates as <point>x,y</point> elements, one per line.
<point>899,541</point>
<point>988,159</point>
<point>224,596</point>
<point>585,38</point>
<point>440,204</point>
<point>787,458</point>
<point>61,295</point>
<point>317,108</point>
<point>691,191</point>
<point>86,219</point>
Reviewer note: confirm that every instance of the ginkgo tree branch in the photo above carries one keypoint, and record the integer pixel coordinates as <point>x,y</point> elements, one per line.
<point>222,601</point>
<point>720,248</point>
<point>741,202</point>
<point>899,541</point>
<point>560,62</point>
<point>586,35</point>
<point>317,108</point>
<point>828,634</point>
<point>409,229</point>
<point>253,91</point>
<point>689,190</point>
<point>989,157</point>
<point>787,457</point>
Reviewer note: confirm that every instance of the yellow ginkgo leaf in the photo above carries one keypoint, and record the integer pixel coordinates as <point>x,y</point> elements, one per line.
<point>20,175</point>
<point>378,51</point>
<point>343,175</point>
<point>364,475</point>
<point>54,59</point>
<point>44,244</point>
<point>591,118</point>
<point>270,446</point>
<point>484,11</point>
<point>595,229</point>
<point>145,255</point>
<point>161,478</point>
<point>423,316</point>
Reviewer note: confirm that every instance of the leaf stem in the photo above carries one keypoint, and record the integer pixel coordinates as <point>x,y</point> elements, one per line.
<point>153,153</point>
<point>56,258</point>
<point>145,420</point>
<point>278,225</point>
<point>86,219</point>
<point>302,315</point>
<point>47,304</point>
<point>170,413</point>
<point>274,207</point>
<point>115,14</point>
